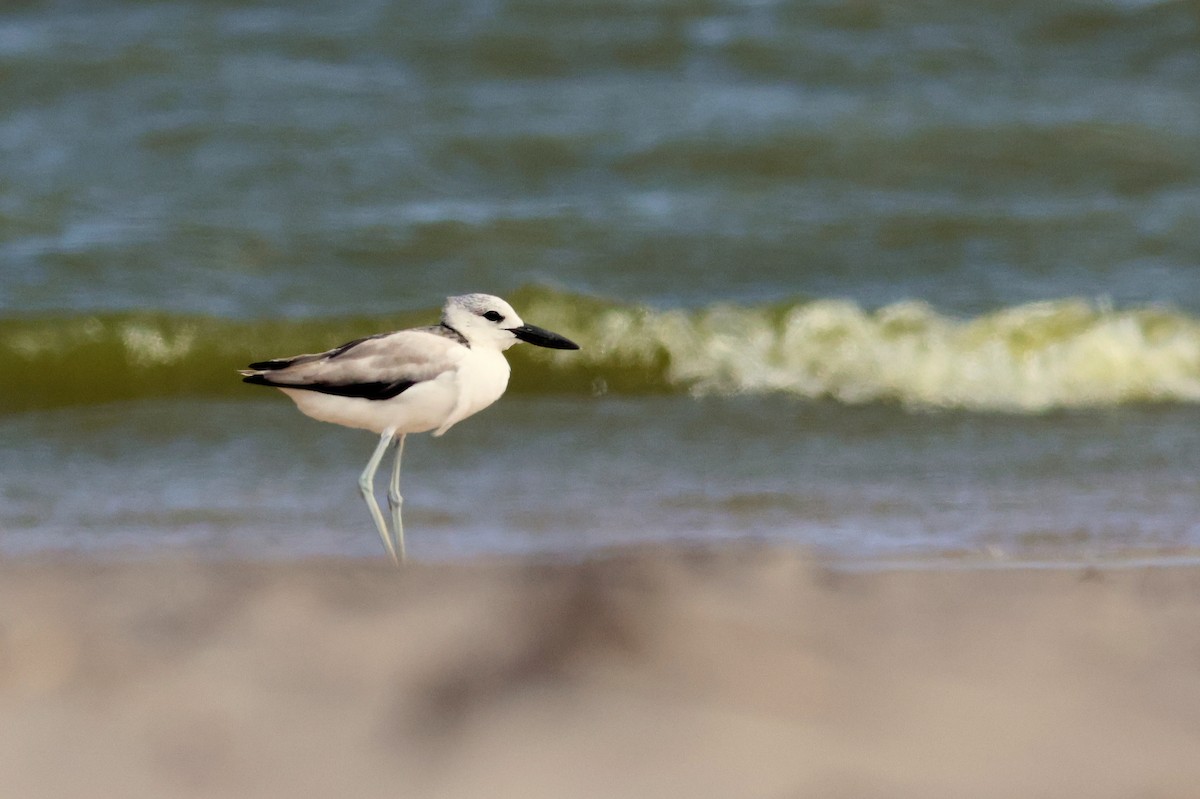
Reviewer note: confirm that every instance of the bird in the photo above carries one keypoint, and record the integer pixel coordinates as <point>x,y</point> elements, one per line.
<point>416,380</point>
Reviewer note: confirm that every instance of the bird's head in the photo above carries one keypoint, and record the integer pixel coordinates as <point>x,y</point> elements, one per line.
<point>490,321</point>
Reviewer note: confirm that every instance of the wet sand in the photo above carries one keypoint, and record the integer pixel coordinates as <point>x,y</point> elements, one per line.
<point>741,673</point>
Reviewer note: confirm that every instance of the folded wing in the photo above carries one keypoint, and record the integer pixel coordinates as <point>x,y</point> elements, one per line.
<point>375,368</point>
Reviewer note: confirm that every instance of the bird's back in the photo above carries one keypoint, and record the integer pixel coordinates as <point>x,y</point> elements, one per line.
<point>412,380</point>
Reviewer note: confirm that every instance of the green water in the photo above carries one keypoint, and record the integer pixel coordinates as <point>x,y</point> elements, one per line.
<point>1031,358</point>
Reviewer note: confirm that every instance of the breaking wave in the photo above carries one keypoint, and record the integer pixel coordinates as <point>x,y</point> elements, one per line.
<point>1068,353</point>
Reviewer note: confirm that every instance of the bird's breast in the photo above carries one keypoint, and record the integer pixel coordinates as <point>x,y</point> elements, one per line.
<point>483,376</point>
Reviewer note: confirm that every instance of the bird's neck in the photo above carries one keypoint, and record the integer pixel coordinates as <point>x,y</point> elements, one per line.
<point>457,336</point>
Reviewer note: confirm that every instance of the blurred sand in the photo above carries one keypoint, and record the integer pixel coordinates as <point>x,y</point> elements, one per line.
<point>741,673</point>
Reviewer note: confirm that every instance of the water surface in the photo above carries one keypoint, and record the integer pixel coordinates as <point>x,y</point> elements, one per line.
<point>877,280</point>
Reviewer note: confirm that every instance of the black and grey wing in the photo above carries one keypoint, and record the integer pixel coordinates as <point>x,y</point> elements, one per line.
<point>375,368</point>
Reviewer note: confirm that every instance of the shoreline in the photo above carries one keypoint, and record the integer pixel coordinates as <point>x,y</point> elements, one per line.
<point>958,560</point>
<point>664,671</point>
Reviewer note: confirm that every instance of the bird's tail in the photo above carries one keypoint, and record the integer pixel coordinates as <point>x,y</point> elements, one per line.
<point>257,378</point>
<point>269,366</point>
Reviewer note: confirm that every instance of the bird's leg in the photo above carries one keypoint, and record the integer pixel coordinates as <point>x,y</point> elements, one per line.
<point>395,500</point>
<point>366,483</point>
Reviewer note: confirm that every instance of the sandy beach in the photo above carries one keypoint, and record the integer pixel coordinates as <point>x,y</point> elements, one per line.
<point>749,672</point>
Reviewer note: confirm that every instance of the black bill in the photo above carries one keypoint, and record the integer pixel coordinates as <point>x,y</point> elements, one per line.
<point>543,338</point>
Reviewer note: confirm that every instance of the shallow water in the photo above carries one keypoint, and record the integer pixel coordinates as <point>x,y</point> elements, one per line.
<point>567,475</point>
<point>882,281</point>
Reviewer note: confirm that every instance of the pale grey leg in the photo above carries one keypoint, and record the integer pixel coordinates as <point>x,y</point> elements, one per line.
<point>395,500</point>
<point>366,483</point>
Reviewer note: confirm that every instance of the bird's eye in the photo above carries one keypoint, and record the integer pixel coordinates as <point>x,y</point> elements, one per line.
<point>493,316</point>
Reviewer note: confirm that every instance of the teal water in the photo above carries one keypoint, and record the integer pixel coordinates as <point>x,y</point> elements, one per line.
<point>571,475</point>
<point>873,279</point>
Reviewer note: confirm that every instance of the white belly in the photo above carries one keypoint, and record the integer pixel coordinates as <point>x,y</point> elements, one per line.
<point>477,381</point>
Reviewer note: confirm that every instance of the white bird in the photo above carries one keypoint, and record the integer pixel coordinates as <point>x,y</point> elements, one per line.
<point>409,381</point>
